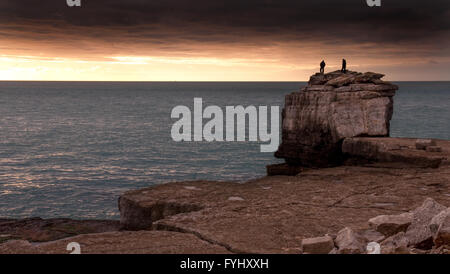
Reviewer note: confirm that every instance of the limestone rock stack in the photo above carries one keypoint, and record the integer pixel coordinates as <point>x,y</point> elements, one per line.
<point>332,107</point>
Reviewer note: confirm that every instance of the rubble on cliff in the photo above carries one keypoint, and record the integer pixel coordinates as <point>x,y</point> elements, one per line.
<point>425,229</point>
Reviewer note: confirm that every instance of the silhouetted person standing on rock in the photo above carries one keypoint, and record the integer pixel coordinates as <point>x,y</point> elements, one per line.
<point>322,66</point>
<point>344,66</point>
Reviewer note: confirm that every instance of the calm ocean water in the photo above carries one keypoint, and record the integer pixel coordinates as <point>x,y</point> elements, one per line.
<point>69,149</point>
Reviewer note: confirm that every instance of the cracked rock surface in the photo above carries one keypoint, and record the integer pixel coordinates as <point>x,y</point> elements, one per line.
<point>273,214</point>
<point>130,242</point>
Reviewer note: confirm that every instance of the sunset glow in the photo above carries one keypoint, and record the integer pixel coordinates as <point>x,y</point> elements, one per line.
<point>135,42</point>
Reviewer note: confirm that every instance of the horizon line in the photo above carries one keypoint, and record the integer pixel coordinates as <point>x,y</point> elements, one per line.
<point>194,81</point>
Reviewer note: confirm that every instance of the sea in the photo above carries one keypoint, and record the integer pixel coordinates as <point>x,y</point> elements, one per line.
<point>69,149</point>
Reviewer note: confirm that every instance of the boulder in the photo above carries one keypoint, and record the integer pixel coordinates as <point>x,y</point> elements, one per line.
<point>443,249</point>
<point>416,240</point>
<point>318,245</point>
<point>371,235</point>
<point>321,78</point>
<point>396,244</point>
<point>333,251</point>
<point>438,220</point>
<point>316,120</point>
<point>317,79</point>
<point>236,199</point>
<point>342,80</point>
<point>419,233</point>
<point>389,225</point>
<point>442,237</point>
<point>349,242</point>
<point>373,248</point>
<point>369,77</point>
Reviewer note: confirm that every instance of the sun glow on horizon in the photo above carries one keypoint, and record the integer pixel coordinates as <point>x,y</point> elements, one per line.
<point>198,67</point>
<point>143,68</point>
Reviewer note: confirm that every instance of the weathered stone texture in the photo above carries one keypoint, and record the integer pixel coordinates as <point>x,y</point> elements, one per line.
<point>320,116</point>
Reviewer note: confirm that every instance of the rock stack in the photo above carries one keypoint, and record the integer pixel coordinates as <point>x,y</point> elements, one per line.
<point>332,107</point>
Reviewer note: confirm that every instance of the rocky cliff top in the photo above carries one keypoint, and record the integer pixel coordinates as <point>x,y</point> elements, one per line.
<point>349,81</point>
<point>338,78</point>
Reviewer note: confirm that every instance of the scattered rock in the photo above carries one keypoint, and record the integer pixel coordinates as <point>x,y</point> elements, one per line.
<point>437,220</point>
<point>373,248</point>
<point>321,78</point>
<point>342,80</point>
<point>369,77</point>
<point>191,188</point>
<point>371,235</point>
<point>235,198</point>
<point>424,143</point>
<point>443,234</point>
<point>415,241</point>
<point>418,251</point>
<point>318,245</point>
<point>443,249</point>
<point>389,225</point>
<point>396,244</point>
<point>419,233</point>
<point>333,251</point>
<point>349,242</point>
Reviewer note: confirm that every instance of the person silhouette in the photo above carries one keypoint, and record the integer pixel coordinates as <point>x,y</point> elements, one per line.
<point>344,66</point>
<point>322,66</point>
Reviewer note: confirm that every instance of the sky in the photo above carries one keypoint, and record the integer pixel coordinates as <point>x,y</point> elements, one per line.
<point>222,40</point>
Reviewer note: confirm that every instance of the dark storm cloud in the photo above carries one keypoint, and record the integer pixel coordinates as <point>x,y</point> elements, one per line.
<point>229,21</point>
